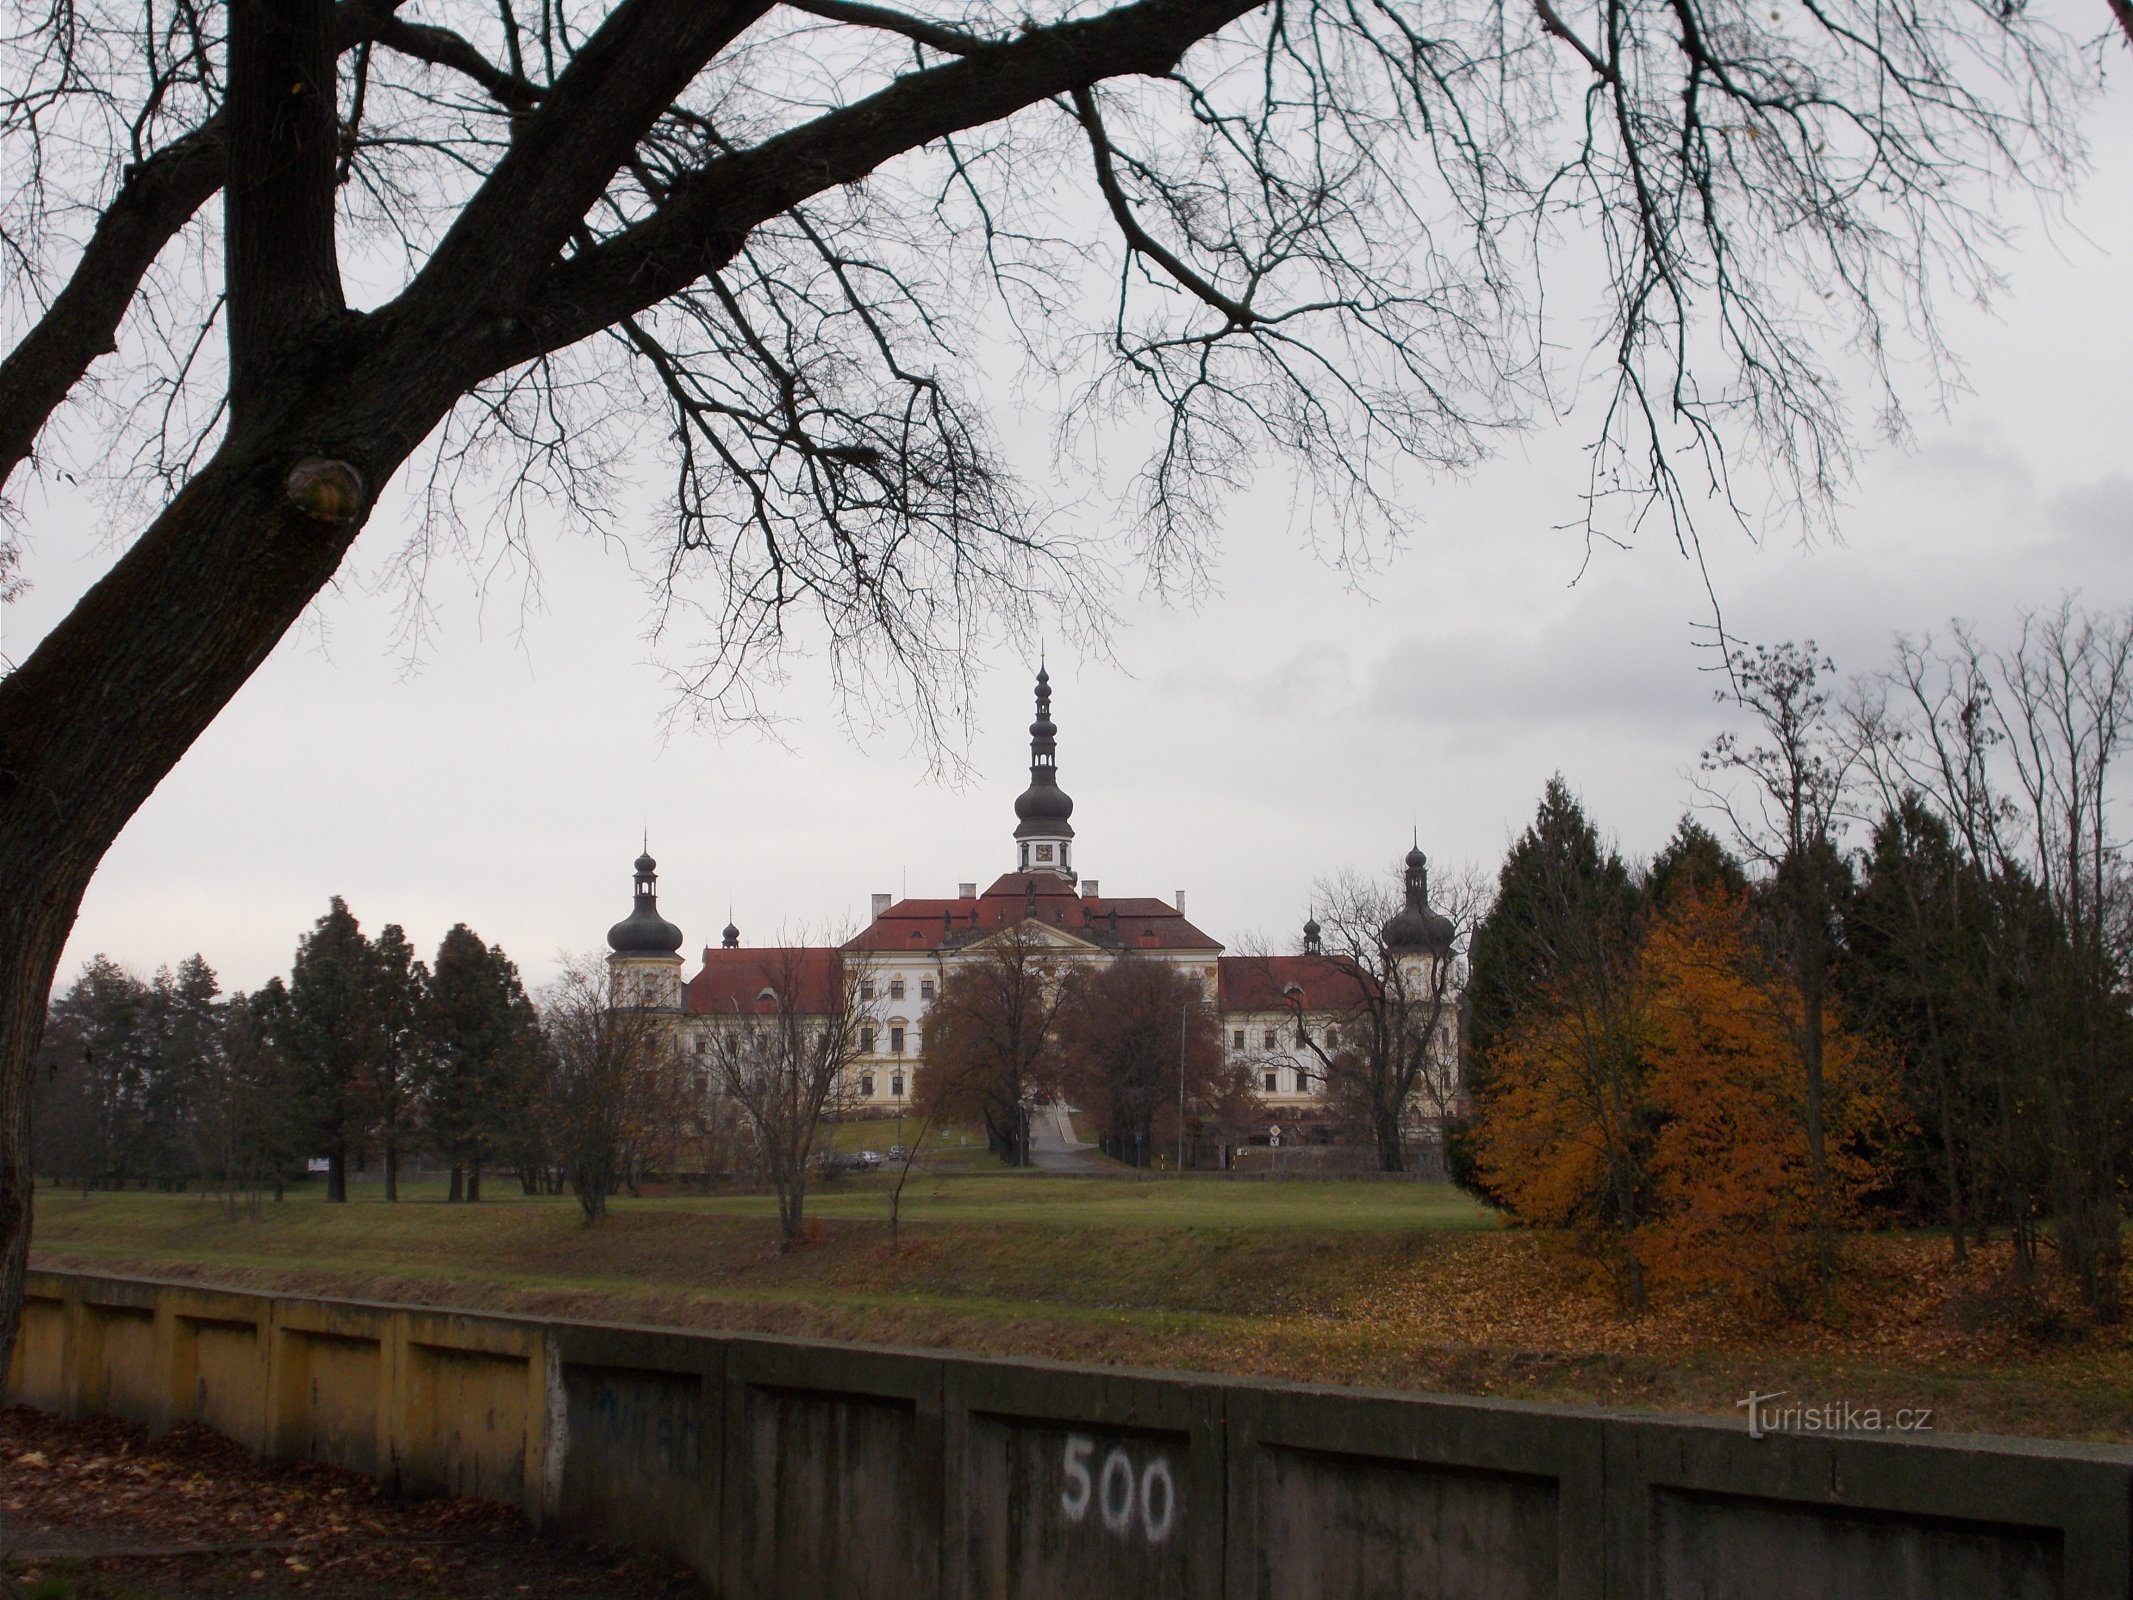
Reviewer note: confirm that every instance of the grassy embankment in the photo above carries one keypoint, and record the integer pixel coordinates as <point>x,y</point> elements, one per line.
<point>1395,1284</point>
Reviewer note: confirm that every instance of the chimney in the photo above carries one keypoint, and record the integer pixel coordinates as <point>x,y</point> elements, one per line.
<point>881,906</point>
<point>966,891</point>
<point>1088,888</point>
<point>1181,902</point>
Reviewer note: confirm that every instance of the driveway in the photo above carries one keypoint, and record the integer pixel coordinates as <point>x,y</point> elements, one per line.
<point>1052,1145</point>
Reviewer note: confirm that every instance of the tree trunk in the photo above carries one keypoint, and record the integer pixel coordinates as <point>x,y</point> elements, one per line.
<point>337,1175</point>
<point>31,938</point>
<point>392,1165</point>
<point>473,1182</point>
<point>1390,1156</point>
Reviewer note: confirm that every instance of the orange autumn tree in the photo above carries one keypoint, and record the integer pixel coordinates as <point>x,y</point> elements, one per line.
<point>1566,1135</point>
<point>1733,1207</point>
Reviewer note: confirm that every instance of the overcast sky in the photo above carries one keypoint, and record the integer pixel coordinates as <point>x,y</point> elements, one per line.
<point>1284,729</point>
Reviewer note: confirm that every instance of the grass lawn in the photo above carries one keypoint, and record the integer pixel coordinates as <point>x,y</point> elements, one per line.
<point>1389,1284</point>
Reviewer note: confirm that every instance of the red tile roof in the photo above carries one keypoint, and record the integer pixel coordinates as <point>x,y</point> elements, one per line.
<point>1114,924</point>
<point>1262,983</point>
<point>734,980</point>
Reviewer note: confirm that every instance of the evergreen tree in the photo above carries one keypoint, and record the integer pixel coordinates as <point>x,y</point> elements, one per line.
<point>1560,879</point>
<point>93,1086</point>
<point>1910,971</point>
<point>1694,863</point>
<point>183,1024</point>
<point>481,1037</point>
<point>328,1028</point>
<point>1559,851</point>
<point>399,996</point>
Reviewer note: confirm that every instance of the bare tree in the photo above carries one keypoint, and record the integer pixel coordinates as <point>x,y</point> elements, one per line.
<point>784,227</point>
<point>612,1081</point>
<point>1140,1049</point>
<point>783,1056</point>
<point>1788,813</point>
<point>1400,961</point>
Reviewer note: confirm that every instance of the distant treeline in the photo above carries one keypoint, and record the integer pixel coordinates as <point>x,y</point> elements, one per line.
<point>363,1058</point>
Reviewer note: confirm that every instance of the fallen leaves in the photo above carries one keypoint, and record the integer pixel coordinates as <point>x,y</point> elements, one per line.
<point>190,1515</point>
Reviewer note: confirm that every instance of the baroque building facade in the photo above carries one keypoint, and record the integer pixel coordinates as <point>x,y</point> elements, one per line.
<point>1281,1016</point>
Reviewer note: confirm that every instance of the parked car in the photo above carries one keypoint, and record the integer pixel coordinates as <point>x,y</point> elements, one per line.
<point>897,1153</point>
<point>868,1160</point>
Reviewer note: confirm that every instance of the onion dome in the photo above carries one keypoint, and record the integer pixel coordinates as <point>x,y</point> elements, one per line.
<point>1043,808</point>
<point>1312,945</point>
<point>729,937</point>
<point>644,932</point>
<point>1416,927</point>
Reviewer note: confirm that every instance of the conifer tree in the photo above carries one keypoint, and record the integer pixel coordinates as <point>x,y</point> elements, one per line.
<point>400,992</point>
<point>1561,888</point>
<point>328,1027</point>
<point>478,1033</point>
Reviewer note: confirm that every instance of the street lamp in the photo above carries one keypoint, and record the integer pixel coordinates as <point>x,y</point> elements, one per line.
<point>1184,1011</point>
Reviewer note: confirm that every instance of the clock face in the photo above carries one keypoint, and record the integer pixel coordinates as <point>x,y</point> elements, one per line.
<point>1044,852</point>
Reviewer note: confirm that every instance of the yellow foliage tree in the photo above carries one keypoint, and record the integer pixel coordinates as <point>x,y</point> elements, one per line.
<point>1566,1134</point>
<point>1733,1202</point>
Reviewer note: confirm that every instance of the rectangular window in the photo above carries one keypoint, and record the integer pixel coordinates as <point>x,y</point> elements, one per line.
<point>896,1041</point>
<point>866,988</point>
<point>925,988</point>
<point>702,1044</point>
<point>1333,1038</point>
<point>866,1041</point>
<point>1271,1080</point>
<point>1236,1039</point>
<point>866,1085</point>
<point>1303,1083</point>
<point>1273,1040</point>
<point>896,1086</point>
<point>896,988</point>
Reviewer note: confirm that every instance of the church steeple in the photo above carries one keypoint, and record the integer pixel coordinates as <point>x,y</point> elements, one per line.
<point>643,967</point>
<point>1044,838</point>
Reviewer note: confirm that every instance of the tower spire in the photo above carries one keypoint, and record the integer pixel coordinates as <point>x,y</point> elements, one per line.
<point>1044,838</point>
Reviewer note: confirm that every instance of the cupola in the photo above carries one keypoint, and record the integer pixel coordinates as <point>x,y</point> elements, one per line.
<point>1044,838</point>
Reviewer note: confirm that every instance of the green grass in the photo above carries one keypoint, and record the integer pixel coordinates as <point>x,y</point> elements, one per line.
<point>1018,1250</point>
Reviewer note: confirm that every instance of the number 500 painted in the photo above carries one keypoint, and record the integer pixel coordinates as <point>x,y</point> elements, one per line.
<point>1121,1496</point>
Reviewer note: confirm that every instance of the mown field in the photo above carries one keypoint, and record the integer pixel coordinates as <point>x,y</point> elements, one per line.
<point>1386,1284</point>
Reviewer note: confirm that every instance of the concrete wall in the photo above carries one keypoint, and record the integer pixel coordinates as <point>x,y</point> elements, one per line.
<point>788,1469</point>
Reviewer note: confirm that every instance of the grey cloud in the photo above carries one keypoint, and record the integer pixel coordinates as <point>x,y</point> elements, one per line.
<point>2100,512</point>
<point>1627,664</point>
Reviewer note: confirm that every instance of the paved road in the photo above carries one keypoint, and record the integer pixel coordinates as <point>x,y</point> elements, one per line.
<point>1052,1145</point>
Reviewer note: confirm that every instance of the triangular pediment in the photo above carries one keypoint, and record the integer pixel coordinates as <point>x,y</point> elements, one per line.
<point>1045,935</point>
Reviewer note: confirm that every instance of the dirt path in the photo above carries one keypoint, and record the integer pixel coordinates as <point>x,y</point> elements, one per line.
<point>95,1510</point>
